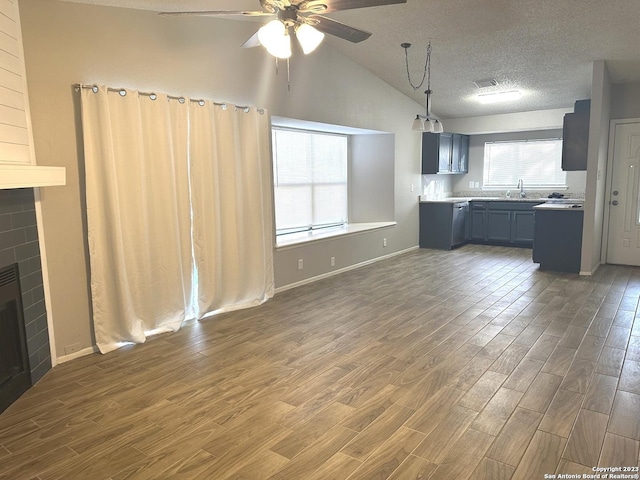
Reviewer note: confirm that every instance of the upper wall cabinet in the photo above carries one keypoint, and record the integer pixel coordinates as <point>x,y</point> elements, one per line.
<point>15,136</point>
<point>445,153</point>
<point>575,137</point>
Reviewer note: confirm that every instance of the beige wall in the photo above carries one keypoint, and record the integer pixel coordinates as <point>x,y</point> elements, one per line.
<point>625,100</point>
<point>67,43</point>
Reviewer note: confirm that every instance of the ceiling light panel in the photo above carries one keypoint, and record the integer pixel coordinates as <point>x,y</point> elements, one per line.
<point>497,97</point>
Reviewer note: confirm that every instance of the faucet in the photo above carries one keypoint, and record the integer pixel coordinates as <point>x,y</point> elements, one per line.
<point>521,188</point>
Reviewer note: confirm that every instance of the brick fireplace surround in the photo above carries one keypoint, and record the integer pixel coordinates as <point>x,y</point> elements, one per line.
<point>19,244</point>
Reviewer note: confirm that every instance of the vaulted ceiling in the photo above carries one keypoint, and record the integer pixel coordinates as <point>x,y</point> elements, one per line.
<point>544,48</point>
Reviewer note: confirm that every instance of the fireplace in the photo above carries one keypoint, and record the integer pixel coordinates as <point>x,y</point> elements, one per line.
<point>19,244</point>
<point>15,374</point>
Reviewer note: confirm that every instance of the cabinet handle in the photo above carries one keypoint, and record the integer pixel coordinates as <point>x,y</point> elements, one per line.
<point>615,202</point>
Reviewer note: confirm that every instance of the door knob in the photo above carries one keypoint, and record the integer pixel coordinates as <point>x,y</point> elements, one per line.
<point>615,202</point>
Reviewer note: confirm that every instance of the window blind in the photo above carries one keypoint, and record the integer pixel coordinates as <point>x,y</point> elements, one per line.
<point>537,162</point>
<point>310,179</point>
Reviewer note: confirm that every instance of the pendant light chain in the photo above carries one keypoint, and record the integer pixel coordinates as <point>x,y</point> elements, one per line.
<point>427,67</point>
<point>423,123</point>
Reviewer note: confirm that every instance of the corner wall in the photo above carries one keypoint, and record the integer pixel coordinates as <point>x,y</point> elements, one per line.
<point>597,157</point>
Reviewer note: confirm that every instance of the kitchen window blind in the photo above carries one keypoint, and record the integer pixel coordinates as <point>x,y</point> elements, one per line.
<point>537,162</point>
<point>310,180</point>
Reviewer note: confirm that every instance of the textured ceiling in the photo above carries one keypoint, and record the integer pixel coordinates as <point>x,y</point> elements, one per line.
<point>544,48</point>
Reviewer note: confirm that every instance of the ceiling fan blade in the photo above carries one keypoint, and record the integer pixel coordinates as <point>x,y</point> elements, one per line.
<point>252,41</point>
<point>337,5</point>
<point>341,30</point>
<point>217,13</point>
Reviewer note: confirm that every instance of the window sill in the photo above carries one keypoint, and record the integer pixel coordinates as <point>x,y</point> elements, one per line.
<point>296,239</point>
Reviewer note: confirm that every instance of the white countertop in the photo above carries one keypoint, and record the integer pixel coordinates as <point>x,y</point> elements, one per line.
<point>565,204</point>
<point>574,206</point>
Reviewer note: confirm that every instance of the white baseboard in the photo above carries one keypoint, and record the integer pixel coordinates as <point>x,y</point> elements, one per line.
<point>94,349</point>
<point>342,270</point>
<point>80,353</point>
<point>587,273</point>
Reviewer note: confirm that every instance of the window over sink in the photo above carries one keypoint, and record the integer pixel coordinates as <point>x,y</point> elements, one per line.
<point>538,163</point>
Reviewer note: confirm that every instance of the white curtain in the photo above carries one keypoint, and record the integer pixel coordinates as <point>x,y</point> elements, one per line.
<point>232,206</point>
<point>159,171</point>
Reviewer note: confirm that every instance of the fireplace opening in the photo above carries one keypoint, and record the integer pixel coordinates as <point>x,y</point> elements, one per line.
<point>15,375</point>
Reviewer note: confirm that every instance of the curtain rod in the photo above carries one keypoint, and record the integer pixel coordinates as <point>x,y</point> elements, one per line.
<point>153,96</point>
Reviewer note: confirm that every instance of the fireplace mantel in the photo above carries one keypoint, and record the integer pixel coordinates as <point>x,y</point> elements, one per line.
<point>26,176</point>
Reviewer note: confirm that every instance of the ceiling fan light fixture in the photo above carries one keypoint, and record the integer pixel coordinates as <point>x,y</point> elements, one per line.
<point>309,37</point>
<point>274,37</point>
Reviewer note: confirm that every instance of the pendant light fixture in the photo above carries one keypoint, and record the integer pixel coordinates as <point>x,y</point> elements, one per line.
<point>423,123</point>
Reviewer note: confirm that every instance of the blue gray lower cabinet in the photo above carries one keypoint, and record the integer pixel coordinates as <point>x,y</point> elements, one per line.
<point>557,244</point>
<point>443,225</point>
<point>502,222</point>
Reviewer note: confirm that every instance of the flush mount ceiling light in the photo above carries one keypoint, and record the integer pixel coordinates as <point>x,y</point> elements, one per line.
<point>423,123</point>
<point>497,97</point>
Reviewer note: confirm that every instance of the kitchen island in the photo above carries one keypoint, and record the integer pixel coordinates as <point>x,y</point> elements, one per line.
<point>557,243</point>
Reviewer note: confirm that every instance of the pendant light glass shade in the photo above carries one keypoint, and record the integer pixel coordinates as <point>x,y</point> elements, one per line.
<point>309,37</point>
<point>427,124</point>
<point>273,36</point>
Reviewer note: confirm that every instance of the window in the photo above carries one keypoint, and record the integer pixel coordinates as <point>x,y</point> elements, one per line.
<point>310,179</point>
<point>537,162</point>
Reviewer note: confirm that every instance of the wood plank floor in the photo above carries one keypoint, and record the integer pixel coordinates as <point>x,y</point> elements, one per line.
<point>470,364</point>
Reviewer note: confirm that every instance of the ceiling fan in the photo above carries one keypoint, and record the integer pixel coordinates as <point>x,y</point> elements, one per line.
<point>301,17</point>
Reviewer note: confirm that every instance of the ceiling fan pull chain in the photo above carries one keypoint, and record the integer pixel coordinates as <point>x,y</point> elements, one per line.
<point>288,76</point>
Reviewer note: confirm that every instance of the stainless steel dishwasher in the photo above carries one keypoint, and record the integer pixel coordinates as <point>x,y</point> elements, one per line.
<point>459,223</point>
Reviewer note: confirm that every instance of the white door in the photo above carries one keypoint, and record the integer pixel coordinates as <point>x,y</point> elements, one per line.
<point>624,207</point>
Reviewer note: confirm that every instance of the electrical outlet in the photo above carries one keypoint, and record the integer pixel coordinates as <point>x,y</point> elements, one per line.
<point>300,264</point>
<point>333,261</point>
<point>384,242</point>
<point>411,187</point>
<point>470,183</point>
<point>477,184</point>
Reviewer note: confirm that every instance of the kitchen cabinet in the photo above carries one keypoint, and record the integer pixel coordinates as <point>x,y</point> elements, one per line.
<point>477,222</point>
<point>522,227</point>
<point>557,243</point>
<point>445,153</point>
<point>575,137</point>
<point>499,226</point>
<point>460,153</point>
<point>502,223</point>
<point>443,225</point>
